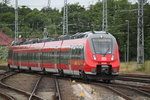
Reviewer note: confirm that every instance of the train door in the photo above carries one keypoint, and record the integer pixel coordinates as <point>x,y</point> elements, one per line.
<point>14,60</point>
<point>59,57</point>
<point>69,61</point>
<point>19,58</point>
<point>56,59</point>
<point>39,59</point>
<point>72,60</point>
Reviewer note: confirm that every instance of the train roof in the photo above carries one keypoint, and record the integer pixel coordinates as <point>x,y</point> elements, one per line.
<point>62,37</point>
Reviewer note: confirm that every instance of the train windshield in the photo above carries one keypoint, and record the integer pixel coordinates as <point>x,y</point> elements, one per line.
<point>102,45</point>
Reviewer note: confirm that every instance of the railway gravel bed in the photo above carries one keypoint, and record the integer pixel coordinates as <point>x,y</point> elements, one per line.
<point>14,92</point>
<point>94,92</point>
<point>128,93</point>
<point>22,81</point>
<point>5,96</point>
<point>86,91</point>
<point>69,89</point>
<point>46,88</point>
<point>140,82</point>
<point>10,92</point>
<point>66,90</point>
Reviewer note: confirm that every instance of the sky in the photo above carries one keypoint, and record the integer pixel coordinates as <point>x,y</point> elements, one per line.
<point>54,3</point>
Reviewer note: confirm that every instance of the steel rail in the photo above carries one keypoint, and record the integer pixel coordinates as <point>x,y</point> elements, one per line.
<point>105,86</point>
<point>146,89</point>
<point>35,88</point>
<point>5,73</point>
<point>138,89</point>
<point>133,79</point>
<point>135,75</point>
<point>135,88</point>
<point>114,90</point>
<point>58,89</point>
<point>17,90</point>
<point>6,96</point>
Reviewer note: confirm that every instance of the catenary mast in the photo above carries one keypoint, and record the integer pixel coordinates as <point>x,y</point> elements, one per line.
<point>16,20</point>
<point>105,21</point>
<point>140,32</point>
<point>65,18</point>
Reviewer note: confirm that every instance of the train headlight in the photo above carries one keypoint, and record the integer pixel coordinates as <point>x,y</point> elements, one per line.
<point>94,57</point>
<point>112,57</point>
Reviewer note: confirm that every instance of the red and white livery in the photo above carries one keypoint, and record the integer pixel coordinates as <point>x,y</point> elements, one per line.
<point>89,55</point>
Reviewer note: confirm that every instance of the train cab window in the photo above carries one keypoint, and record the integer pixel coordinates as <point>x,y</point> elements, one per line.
<point>102,45</point>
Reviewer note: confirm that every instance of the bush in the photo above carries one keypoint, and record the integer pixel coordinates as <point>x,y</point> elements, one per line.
<point>3,53</point>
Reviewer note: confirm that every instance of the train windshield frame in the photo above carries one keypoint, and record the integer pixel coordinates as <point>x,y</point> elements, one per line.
<point>102,46</point>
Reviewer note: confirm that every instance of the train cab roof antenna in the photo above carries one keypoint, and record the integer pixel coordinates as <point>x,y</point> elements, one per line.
<point>93,31</point>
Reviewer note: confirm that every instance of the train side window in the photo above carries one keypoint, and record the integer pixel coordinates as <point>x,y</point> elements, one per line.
<point>36,56</point>
<point>77,52</point>
<point>73,52</point>
<point>28,58</point>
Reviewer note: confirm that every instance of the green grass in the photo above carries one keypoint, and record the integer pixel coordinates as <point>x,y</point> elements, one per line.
<point>132,67</point>
<point>2,63</point>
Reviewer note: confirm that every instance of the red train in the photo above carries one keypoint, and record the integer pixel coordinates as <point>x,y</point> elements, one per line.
<point>89,55</point>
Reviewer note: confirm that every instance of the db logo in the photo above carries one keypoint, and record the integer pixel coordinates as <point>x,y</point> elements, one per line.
<point>104,58</point>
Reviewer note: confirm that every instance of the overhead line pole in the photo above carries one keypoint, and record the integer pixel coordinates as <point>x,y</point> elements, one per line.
<point>49,4</point>
<point>65,18</point>
<point>16,20</point>
<point>128,23</point>
<point>140,35</point>
<point>105,16</point>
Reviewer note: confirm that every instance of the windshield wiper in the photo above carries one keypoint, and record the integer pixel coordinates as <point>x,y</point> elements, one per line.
<point>106,51</point>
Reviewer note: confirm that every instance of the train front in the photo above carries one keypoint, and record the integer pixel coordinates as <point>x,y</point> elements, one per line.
<point>102,56</point>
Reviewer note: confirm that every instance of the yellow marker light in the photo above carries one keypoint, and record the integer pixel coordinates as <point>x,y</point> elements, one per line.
<point>82,95</point>
<point>73,81</point>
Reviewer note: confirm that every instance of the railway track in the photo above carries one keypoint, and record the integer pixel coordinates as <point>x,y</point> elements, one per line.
<point>20,92</point>
<point>112,87</point>
<point>4,73</point>
<point>145,90</point>
<point>134,78</point>
<point>35,88</point>
<point>48,84</point>
<point>128,92</point>
<point>143,80</point>
<point>6,96</point>
<point>58,90</point>
<point>38,83</point>
<point>131,91</point>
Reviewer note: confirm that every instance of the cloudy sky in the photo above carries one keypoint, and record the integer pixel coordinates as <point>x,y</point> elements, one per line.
<point>54,3</point>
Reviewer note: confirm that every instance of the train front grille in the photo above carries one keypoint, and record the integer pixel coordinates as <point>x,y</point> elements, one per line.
<point>103,69</point>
